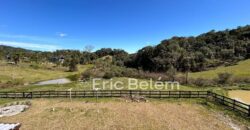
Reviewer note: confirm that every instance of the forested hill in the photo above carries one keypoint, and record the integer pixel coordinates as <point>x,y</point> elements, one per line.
<point>199,53</point>
<point>195,53</point>
<point>8,49</point>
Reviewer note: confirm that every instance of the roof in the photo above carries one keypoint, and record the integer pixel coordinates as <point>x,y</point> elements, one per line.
<point>4,126</point>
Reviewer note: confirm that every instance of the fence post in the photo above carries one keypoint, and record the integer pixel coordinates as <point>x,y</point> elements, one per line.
<point>223,100</point>
<point>234,105</point>
<point>31,95</point>
<point>208,94</point>
<point>6,94</point>
<point>249,111</point>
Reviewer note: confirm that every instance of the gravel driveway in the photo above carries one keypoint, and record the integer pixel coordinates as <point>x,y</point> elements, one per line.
<point>55,81</point>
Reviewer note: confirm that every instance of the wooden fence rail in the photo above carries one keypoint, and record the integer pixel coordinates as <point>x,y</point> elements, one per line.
<point>105,93</point>
<point>231,103</point>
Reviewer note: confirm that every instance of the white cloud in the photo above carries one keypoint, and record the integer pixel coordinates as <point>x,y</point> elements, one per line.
<point>62,34</point>
<point>35,46</point>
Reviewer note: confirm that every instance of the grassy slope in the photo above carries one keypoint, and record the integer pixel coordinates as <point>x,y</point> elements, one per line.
<point>242,69</point>
<point>30,75</point>
<point>88,86</point>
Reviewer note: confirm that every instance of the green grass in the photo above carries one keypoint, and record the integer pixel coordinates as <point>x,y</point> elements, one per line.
<point>78,86</point>
<point>88,85</point>
<point>27,73</point>
<point>242,69</point>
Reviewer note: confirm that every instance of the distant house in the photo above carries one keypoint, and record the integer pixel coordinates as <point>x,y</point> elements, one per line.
<point>56,59</point>
<point>8,57</point>
<point>61,59</point>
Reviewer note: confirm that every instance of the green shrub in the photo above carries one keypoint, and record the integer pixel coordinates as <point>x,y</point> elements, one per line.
<point>241,80</point>
<point>109,75</point>
<point>74,77</point>
<point>224,78</point>
<point>201,82</point>
<point>86,75</point>
<point>34,66</point>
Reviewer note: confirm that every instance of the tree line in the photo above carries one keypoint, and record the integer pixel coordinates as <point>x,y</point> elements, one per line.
<point>198,53</point>
<point>194,53</point>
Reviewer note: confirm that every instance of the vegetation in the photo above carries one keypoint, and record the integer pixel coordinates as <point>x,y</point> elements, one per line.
<point>240,70</point>
<point>181,54</point>
<point>26,73</point>
<point>199,53</point>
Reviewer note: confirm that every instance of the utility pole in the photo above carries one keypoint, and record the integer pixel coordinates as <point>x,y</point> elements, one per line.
<point>188,62</point>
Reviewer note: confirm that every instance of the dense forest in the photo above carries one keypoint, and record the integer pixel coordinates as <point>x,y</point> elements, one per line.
<point>198,53</point>
<point>195,53</point>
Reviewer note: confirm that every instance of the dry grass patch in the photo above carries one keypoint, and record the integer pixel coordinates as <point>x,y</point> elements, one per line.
<point>63,114</point>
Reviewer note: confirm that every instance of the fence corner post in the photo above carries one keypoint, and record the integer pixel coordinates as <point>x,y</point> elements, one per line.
<point>249,111</point>
<point>31,94</point>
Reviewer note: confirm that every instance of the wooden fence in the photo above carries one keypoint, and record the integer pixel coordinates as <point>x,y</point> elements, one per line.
<point>105,93</point>
<point>230,103</point>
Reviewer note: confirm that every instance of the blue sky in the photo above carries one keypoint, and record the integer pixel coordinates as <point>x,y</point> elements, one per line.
<point>125,24</point>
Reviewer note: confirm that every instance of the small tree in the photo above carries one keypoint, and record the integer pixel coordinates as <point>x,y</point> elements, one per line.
<point>88,48</point>
<point>224,78</point>
<point>73,64</point>
<point>171,73</point>
<point>16,59</point>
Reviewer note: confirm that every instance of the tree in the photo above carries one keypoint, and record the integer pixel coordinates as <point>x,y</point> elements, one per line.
<point>16,59</point>
<point>88,48</point>
<point>103,52</point>
<point>171,73</point>
<point>73,64</point>
<point>224,78</point>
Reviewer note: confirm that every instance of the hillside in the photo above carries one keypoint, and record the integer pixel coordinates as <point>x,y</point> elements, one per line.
<point>200,53</point>
<point>242,69</point>
<point>194,54</point>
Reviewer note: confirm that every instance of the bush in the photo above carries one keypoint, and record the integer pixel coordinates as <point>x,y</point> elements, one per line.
<point>200,82</point>
<point>74,77</point>
<point>224,78</point>
<point>109,75</point>
<point>86,74</point>
<point>35,66</point>
<point>241,80</point>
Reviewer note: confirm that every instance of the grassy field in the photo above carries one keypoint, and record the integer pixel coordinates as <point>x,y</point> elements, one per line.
<point>242,69</point>
<point>29,73</point>
<point>117,114</point>
<point>88,85</point>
